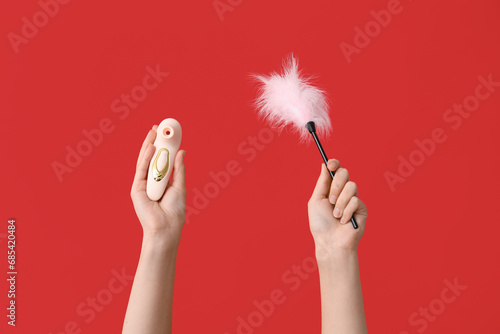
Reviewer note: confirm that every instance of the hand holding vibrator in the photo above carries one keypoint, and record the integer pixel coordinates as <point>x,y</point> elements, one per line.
<point>288,98</point>
<point>167,143</point>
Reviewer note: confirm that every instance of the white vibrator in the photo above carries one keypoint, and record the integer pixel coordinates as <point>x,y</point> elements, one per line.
<point>167,143</point>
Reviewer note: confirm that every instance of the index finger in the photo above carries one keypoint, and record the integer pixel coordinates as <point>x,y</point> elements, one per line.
<point>150,138</point>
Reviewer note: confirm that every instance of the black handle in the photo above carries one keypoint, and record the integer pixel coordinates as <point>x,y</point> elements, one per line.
<point>312,129</point>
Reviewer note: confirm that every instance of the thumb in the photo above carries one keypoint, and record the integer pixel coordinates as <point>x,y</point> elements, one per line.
<point>179,176</point>
<point>323,184</point>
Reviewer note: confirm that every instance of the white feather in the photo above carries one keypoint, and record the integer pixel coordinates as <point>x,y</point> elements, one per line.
<point>289,98</point>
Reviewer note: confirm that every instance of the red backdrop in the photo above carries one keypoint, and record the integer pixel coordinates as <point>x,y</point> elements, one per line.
<point>415,94</point>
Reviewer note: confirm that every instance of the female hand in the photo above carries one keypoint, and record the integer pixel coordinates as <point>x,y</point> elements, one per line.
<point>161,219</point>
<point>331,207</point>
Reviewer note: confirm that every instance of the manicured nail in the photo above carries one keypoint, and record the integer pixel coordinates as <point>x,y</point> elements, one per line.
<point>336,213</point>
<point>333,199</point>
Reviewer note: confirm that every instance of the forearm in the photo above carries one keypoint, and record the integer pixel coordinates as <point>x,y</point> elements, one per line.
<point>150,305</point>
<point>342,310</point>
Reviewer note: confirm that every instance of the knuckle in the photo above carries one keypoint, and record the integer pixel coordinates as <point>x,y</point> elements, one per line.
<point>344,172</point>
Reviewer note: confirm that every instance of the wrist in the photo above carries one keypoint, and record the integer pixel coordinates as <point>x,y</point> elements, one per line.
<point>326,252</point>
<point>159,241</point>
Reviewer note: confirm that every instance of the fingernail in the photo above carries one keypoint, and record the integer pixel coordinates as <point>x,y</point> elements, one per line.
<point>336,213</point>
<point>343,220</point>
<point>333,199</point>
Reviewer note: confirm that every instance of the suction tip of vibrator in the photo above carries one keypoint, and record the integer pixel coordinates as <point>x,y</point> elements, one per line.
<point>169,128</point>
<point>167,132</point>
<point>311,126</point>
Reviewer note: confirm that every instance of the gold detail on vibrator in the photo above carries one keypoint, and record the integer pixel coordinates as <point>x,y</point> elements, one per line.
<point>158,175</point>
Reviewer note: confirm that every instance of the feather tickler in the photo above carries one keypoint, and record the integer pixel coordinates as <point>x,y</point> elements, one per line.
<point>289,98</point>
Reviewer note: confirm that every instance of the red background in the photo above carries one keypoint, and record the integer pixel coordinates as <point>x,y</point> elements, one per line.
<point>440,224</point>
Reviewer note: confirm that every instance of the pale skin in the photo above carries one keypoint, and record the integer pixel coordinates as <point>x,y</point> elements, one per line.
<point>149,309</point>
<point>331,206</point>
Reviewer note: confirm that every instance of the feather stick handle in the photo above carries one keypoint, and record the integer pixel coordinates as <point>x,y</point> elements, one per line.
<point>312,129</point>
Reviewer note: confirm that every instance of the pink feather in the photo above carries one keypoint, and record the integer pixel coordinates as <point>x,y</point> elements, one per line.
<point>289,98</point>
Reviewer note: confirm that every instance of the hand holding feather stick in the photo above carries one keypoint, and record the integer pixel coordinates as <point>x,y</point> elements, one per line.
<point>288,98</point>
